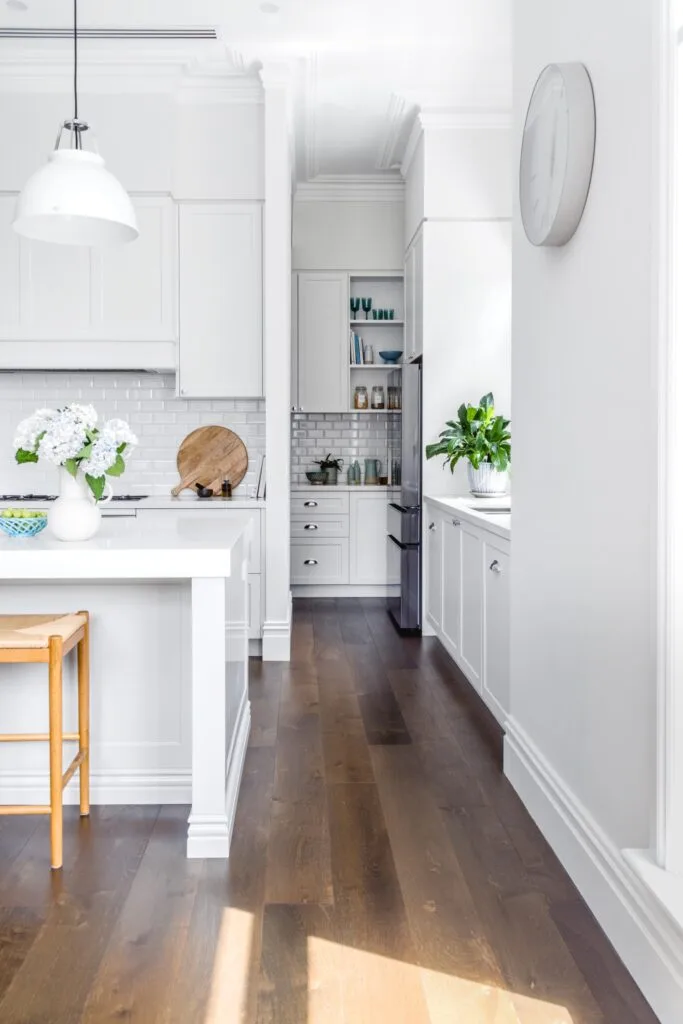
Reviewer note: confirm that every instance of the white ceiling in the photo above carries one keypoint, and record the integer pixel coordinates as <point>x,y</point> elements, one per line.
<point>363,66</point>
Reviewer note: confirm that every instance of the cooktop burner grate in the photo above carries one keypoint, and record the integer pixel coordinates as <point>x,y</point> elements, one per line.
<point>53,497</point>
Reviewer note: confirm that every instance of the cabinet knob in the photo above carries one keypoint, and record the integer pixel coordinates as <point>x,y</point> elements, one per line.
<point>310,504</point>
<point>496,567</point>
<point>311,526</point>
<point>311,561</point>
<point>456,522</point>
<point>432,526</point>
<point>183,391</point>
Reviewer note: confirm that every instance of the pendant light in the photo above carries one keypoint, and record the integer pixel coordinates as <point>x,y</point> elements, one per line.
<point>74,199</point>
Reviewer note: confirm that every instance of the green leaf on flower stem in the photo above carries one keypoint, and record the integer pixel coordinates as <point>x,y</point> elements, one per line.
<point>96,485</point>
<point>71,466</point>
<point>121,448</point>
<point>118,467</point>
<point>85,451</point>
<point>22,455</point>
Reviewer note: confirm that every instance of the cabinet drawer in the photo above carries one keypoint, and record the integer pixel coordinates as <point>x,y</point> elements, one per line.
<point>315,527</point>
<point>320,561</point>
<point>320,502</point>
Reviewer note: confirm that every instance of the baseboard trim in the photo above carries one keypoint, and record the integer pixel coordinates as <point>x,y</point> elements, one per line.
<point>277,638</point>
<point>344,590</point>
<point>235,762</point>
<point>639,929</point>
<point>107,786</point>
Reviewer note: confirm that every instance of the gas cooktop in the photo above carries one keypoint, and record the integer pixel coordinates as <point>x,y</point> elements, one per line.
<point>53,497</point>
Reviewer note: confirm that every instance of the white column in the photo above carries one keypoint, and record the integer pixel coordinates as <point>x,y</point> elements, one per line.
<point>277,272</point>
<point>208,833</point>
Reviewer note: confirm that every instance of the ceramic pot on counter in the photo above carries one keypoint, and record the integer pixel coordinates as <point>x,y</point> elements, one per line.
<point>487,481</point>
<point>75,514</point>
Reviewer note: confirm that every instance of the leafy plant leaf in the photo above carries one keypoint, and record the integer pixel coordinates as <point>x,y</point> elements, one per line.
<point>71,466</point>
<point>96,485</point>
<point>118,467</point>
<point>22,455</point>
<point>477,435</point>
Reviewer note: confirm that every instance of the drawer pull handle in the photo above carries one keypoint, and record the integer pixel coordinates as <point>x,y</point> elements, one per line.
<point>311,561</point>
<point>432,526</point>
<point>496,567</point>
<point>311,526</point>
<point>456,522</point>
<point>310,504</point>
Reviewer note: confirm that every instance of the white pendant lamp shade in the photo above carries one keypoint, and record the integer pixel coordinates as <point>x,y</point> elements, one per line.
<point>74,200</point>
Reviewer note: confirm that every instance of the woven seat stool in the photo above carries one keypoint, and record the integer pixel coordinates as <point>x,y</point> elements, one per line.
<point>46,639</point>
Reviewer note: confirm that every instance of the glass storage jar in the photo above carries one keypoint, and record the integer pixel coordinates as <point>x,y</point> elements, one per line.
<point>360,397</point>
<point>378,396</point>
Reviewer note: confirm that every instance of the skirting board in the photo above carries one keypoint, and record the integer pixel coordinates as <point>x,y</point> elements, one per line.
<point>277,638</point>
<point>639,929</point>
<point>344,590</point>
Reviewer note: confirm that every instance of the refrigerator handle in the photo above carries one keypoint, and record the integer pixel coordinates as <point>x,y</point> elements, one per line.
<point>403,547</point>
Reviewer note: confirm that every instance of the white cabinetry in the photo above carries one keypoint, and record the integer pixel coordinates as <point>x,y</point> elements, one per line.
<point>468,601</point>
<point>373,558</point>
<point>497,626</point>
<point>55,298</point>
<point>322,356</point>
<point>221,298</point>
<point>414,297</point>
<point>339,539</point>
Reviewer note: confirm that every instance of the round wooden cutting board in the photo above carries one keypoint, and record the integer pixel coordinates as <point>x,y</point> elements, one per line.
<point>210,455</point>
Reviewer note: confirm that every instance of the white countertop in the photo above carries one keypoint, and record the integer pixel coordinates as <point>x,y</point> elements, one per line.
<point>127,549</point>
<point>343,487</point>
<point>472,509</point>
<point>162,501</point>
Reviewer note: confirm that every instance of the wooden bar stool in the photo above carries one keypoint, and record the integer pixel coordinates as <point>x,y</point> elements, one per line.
<point>46,639</point>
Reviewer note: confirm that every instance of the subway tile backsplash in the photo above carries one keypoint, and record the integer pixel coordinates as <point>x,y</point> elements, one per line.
<point>147,401</point>
<point>349,435</point>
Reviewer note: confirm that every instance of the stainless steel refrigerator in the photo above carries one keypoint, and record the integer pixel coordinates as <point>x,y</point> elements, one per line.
<point>405,517</point>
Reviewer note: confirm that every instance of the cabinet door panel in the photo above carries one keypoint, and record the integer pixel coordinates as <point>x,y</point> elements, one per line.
<point>472,604</point>
<point>372,553</point>
<point>220,301</point>
<point>451,625</point>
<point>497,629</point>
<point>435,568</point>
<point>323,348</point>
<point>55,290</point>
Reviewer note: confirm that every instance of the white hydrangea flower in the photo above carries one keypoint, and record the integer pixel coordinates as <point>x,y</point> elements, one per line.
<point>30,429</point>
<point>63,439</point>
<point>102,457</point>
<point>85,414</point>
<point>118,432</point>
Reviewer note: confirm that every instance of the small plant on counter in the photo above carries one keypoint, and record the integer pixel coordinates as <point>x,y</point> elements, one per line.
<point>71,438</point>
<point>330,467</point>
<point>484,440</point>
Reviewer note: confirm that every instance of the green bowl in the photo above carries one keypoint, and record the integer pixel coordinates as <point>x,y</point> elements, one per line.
<point>315,477</point>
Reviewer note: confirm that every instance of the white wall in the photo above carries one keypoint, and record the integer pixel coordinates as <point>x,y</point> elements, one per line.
<point>347,235</point>
<point>585,447</point>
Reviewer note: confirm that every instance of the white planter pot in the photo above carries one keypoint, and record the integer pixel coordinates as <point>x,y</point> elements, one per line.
<point>487,481</point>
<point>75,514</point>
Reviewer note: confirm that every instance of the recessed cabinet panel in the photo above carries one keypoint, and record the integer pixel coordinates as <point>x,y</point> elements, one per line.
<point>471,638</point>
<point>452,585</point>
<point>497,629</point>
<point>375,560</point>
<point>56,289</point>
<point>323,342</point>
<point>434,568</point>
<point>221,345</point>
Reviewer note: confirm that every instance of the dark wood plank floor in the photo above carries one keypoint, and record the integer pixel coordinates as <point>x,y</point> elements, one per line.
<point>382,870</point>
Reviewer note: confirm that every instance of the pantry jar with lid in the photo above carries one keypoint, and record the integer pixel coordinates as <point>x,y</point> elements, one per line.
<point>360,397</point>
<point>378,396</point>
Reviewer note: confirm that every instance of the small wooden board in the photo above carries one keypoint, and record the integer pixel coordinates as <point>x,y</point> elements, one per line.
<point>210,455</point>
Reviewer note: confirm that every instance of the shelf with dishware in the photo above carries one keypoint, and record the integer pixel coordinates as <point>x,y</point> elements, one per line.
<point>375,366</point>
<point>376,323</point>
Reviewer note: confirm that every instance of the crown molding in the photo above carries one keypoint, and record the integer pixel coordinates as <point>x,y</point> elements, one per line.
<point>397,113</point>
<point>350,188</point>
<point>491,119</point>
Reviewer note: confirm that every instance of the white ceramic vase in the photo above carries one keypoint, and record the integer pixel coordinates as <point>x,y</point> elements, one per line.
<point>75,514</point>
<point>487,481</point>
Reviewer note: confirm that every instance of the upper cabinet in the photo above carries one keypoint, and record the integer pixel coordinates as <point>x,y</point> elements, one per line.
<point>414,297</point>
<point>53,293</point>
<point>221,300</point>
<point>322,356</point>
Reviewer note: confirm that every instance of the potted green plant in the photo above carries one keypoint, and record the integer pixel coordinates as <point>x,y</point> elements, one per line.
<point>330,467</point>
<point>482,438</point>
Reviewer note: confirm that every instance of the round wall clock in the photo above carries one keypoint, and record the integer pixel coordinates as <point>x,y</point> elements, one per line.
<point>558,146</point>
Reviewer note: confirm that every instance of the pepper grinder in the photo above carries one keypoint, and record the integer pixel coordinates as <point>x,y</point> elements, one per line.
<point>226,488</point>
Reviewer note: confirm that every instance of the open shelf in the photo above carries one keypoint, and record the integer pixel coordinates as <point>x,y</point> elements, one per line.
<point>375,366</point>
<point>376,412</point>
<point>376,323</point>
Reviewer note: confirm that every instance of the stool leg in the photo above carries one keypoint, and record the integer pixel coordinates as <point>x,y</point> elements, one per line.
<point>56,814</point>
<point>84,715</point>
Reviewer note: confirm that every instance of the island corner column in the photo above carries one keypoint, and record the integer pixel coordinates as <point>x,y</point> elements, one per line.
<point>208,833</point>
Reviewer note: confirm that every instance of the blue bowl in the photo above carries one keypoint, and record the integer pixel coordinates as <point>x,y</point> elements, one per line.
<point>392,355</point>
<point>15,527</point>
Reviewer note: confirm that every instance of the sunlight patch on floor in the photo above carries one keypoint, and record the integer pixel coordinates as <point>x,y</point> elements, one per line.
<point>351,986</point>
<point>230,979</point>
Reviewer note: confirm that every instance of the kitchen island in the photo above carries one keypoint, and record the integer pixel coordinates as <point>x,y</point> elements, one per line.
<point>169,708</point>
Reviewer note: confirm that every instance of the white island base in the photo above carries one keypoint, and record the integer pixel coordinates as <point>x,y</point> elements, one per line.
<point>170,712</point>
